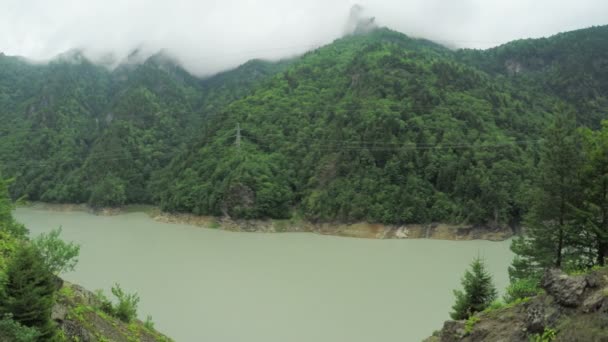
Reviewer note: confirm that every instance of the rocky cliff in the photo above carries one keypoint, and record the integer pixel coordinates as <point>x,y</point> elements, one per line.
<point>573,308</point>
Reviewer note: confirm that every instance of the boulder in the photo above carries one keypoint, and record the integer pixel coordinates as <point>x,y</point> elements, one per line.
<point>567,290</point>
<point>535,318</point>
<point>76,332</point>
<point>60,312</point>
<point>594,302</point>
<point>452,331</point>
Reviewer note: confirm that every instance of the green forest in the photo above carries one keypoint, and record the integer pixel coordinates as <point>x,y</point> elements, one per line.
<point>377,127</point>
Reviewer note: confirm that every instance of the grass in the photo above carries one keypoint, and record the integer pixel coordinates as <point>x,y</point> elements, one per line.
<point>585,271</point>
<point>470,324</point>
<point>499,304</point>
<point>66,292</point>
<point>547,336</point>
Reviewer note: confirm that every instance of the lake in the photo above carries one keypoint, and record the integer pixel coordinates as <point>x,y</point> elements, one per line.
<point>210,285</point>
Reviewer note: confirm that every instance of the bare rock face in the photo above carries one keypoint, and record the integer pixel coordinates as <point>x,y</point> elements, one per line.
<point>59,313</point>
<point>567,290</point>
<point>535,318</point>
<point>595,302</point>
<point>76,332</point>
<point>452,331</point>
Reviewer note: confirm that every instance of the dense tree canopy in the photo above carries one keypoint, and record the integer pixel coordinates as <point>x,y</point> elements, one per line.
<point>29,292</point>
<point>378,127</point>
<point>567,225</point>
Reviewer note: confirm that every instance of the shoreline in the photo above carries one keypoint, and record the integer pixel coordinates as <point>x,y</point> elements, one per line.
<point>364,230</point>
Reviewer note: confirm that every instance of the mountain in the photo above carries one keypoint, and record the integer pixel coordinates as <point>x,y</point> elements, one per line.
<point>377,126</point>
<point>571,65</point>
<point>75,127</point>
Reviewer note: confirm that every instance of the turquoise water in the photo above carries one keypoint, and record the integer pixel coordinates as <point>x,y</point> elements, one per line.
<point>209,285</point>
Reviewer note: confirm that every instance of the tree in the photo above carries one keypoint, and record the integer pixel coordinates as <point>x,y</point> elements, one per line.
<point>550,223</point>
<point>60,256</point>
<point>7,222</point>
<point>109,192</point>
<point>594,209</point>
<point>14,332</point>
<point>29,291</point>
<point>477,294</point>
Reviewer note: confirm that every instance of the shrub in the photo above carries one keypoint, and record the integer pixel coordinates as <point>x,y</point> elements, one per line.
<point>548,335</point>
<point>149,324</point>
<point>470,323</point>
<point>126,308</point>
<point>13,331</point>
<point>60,256</point>
<point>522,288</point>
<point>105,304</point>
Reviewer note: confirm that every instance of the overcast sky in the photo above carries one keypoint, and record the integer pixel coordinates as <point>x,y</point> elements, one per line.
<point>208,36</point>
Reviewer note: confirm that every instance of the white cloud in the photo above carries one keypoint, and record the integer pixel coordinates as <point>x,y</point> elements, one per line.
<point>208,35</point>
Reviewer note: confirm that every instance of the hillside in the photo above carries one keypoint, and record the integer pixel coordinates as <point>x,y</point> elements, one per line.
<point>37,305</point>
<point>75,128</point>
<point>80,316</point>
<point>572,65</point>
<point>377,127</point>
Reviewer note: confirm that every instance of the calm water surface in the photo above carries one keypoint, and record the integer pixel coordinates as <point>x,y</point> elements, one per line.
<point>209,285</point>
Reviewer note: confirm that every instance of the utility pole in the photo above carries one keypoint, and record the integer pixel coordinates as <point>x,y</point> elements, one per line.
<point>238,137</point>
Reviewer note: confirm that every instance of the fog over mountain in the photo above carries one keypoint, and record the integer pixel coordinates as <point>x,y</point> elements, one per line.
<point>209,36</point>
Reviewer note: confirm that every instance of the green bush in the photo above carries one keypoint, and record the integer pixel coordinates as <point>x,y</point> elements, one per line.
<point>126,308</point>
<point>148,323</point>
<point>519,289</point>
<point>495,305</point>
<point>104,303</point>
<point>548,335</point>
<point>60,256</point>
<point>470,323</point>
<point>15,332</point>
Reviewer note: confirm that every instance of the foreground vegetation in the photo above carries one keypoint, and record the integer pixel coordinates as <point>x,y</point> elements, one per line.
<point>566,227</point>
<point>30,291</point>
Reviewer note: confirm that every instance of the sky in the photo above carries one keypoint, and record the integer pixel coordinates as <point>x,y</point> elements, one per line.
<point>208,36</point>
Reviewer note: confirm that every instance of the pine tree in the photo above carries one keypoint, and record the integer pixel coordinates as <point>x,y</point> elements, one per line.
<point>550,223</point>
<point>29,291</point>
<point>478,291</point>
<point>594,209</point>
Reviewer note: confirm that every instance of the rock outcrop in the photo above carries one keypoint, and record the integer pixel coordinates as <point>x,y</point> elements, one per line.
<point>573,308</point>
<point>80,317</point>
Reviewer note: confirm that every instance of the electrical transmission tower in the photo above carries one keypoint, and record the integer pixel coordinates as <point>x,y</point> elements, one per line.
<point>238,137</point>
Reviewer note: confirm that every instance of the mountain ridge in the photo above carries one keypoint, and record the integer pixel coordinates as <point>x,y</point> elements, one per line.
<point>379,127</point>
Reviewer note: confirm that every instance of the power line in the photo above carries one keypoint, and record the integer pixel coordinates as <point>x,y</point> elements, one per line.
<point>322,147</point>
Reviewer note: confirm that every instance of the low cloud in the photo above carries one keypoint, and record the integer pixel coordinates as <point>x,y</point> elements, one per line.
<point>209,36</point>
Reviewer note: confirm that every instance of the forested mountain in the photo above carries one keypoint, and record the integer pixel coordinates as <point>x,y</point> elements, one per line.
<point>77,132</point>
<point>572,65</point>
<point>378,127</point>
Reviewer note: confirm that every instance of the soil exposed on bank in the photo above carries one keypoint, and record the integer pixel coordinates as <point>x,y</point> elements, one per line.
<point>437,231</point>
